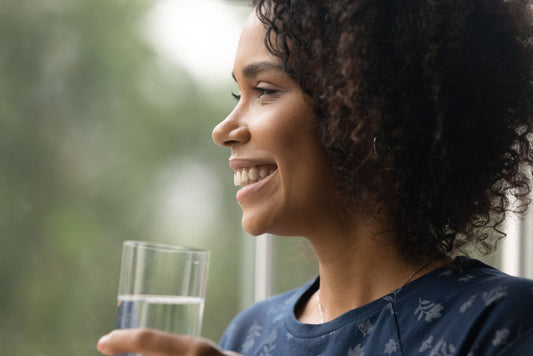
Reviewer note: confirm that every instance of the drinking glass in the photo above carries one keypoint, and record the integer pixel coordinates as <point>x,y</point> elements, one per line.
<point>162,287</point>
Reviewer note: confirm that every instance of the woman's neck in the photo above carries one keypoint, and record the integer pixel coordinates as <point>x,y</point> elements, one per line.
<point>358,264</point>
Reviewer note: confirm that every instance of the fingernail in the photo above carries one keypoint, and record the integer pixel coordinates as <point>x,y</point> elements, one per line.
<point>102,342</point>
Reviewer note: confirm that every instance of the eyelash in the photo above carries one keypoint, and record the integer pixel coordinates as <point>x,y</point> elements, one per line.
<point>236,96</point>
<point>262,91</point>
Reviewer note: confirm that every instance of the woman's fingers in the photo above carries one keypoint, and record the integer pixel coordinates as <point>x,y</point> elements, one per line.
<point>155,343</point>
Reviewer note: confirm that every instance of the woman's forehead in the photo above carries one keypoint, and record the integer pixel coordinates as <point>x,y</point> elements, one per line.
<point>251,47</point>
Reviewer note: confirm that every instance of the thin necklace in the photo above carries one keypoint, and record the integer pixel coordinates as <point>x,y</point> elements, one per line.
<point>322,320</point>
<point>321,310</point>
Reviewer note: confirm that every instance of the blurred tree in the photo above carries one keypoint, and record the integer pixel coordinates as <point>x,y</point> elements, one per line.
<point>102,140</point>
<point>90,117</point>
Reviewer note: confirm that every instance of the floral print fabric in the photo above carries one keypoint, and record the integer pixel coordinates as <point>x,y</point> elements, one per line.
<point>473,311</point>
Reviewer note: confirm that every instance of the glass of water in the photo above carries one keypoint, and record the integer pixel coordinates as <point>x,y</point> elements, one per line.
<point>162,287</point>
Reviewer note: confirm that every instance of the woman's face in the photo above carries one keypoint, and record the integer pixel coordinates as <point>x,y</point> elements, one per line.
<point>287,185</point>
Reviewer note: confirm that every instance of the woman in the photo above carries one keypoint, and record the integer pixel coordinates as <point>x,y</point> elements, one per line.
<point>392,134</point>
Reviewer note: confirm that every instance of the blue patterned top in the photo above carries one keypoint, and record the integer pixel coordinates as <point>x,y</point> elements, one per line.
<point>475,310</point>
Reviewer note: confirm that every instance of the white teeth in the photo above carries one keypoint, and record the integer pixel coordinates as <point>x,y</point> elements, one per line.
<point>252,174</point>
<point>237,178</point>
<point>247,176</point>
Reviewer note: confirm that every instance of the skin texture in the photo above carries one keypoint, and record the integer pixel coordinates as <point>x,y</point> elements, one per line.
<point>273,123</point>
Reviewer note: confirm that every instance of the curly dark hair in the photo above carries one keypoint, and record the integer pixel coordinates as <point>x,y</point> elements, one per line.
<point>425,105</point>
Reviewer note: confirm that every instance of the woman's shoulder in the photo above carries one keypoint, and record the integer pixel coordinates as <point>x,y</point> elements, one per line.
<point>474,287</point>
<point>473,276</point>
<point>466,275</point>
<point>488,309</point>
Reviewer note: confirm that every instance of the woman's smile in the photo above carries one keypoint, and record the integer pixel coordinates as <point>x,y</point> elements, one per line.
<point>286,180</point>
<point>247,171</point>
<point>253,187</point>
<point>250,175</point>
<point>246,176</point>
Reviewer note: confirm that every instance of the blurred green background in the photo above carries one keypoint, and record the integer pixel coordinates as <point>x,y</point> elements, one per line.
<point>105,138</point>
<point>106,112</point>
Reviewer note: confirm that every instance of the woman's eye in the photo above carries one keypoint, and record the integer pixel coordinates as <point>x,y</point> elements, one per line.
<point>265,91</point>
<point>236,96</point>
<point>261,91</point>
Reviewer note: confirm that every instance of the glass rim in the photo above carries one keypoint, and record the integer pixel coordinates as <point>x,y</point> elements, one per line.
<point>163,247</point>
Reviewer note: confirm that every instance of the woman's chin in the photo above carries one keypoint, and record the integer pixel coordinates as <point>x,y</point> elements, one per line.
<point>255,224</point>
<point>251,228</point>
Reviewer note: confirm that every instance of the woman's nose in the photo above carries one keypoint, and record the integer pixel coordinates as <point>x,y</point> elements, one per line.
<point>231,131</point>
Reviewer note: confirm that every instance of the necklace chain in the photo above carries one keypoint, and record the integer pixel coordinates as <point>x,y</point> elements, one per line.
<point>322,319</point>
<point>321,310</point>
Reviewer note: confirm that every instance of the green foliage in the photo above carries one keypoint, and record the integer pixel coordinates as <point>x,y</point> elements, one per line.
<point>96,132</point>
<point>89,118</point>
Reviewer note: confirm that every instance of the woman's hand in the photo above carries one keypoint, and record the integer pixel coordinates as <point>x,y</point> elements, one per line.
<point>156,343</point>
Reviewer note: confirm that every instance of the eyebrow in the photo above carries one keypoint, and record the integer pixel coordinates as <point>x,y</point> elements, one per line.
<point>253,69</point>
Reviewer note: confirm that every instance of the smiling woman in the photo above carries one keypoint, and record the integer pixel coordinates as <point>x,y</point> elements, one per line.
<point>273,128</point>
<point>390,134</point>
